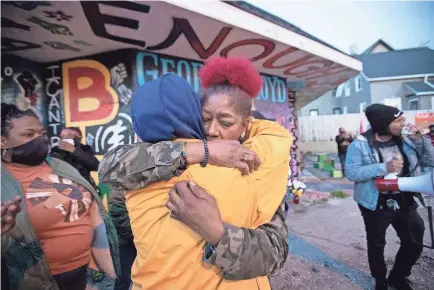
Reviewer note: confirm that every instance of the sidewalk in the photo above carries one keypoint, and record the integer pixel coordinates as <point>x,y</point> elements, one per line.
<point>319,183</point>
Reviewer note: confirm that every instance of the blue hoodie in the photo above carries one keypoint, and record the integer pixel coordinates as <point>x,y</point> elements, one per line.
<point>167,108</point>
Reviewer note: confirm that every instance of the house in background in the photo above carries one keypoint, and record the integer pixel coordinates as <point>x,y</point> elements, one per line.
<point>400,78</point>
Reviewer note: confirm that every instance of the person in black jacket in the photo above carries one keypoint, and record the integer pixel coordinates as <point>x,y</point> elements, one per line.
<point>343,140</point>
<point>78,155</point>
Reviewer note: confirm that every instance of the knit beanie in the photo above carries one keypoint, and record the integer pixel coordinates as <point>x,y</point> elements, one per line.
<point>380,116</point>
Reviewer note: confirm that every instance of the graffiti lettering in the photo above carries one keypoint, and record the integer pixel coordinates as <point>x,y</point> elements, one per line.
<point>58,15</point>
<point>27,5</point>
<point>296,63</point>
<point>269,63</point>
<point>328,71</point>
<point>268,46</point>
<point>306,68</point>
<point>273,87</point>
<point>182,26</point>
<point>149,66</point>
<point>81,42</point>
<point>89,99</point>
<point>118,133</point>
<point>293,61</point>
<point>11,45</point>
<point>326,78</point>
<point>53,89</point>
<point>52,27</point>
<point>96,96</point>
<point>60,45</point>
<point>98,21</point>
<point>6,22</point>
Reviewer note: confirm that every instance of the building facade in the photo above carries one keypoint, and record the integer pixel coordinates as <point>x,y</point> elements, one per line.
<point>401,78</point>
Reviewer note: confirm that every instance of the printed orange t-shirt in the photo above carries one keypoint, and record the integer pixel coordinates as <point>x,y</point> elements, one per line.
<point>59,211</point>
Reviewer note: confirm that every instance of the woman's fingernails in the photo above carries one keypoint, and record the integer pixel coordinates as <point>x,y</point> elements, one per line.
<point>192,183</point>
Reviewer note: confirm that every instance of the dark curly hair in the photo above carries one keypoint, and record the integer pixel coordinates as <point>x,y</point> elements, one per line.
<point>9,112</point>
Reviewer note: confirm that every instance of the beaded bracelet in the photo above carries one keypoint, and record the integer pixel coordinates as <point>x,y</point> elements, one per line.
<point>184,155</point>
<point>205,163</point>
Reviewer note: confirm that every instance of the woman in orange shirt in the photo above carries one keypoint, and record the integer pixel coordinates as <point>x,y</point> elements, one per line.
<point>62,236</point>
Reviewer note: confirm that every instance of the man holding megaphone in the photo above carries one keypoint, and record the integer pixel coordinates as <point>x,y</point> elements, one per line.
<point>384,151</point>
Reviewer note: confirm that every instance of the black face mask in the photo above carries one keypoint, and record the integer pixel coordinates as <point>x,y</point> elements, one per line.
<point>31,153</point>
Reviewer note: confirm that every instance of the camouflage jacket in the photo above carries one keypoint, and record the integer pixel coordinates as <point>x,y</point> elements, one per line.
<point>20,247</point>
<point>242,253</point>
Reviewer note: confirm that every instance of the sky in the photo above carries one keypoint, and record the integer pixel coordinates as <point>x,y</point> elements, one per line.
<point>359,23</point>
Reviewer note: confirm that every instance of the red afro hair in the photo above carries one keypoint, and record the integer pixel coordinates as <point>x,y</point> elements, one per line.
<point>236,71</point>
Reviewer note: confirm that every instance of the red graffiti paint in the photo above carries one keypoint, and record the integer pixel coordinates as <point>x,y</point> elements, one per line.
<point>266,44</point>
<point>269,63</point>
<point>182,26</point>
<point>309,67</point>
<point>89,99</point>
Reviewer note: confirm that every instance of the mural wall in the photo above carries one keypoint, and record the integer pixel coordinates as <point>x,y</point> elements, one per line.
<point>47,31</point>
<point>94,93</point>
<point>22,84</point>
<point>293,128</point>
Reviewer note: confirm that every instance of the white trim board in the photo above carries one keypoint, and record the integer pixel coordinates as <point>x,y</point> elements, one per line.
<point>231,15</point>
<point>425,94</point>
<point>399,77</point>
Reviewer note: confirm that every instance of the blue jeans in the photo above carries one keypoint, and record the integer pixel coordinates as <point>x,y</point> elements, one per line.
<point>127,253</point>
<point>342,157</point>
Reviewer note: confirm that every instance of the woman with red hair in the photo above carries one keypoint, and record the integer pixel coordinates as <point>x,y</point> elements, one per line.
<point>235,248</point>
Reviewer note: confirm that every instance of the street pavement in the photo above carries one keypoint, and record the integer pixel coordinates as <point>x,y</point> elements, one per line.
<point>328,250</point>
<point>327,243</point>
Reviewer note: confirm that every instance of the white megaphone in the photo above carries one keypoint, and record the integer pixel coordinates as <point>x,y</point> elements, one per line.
<point>422,184</point>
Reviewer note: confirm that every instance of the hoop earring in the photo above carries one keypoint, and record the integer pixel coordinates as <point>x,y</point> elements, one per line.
<point>242,137</point>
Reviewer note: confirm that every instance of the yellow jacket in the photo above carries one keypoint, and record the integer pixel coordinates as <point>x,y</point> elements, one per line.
<point>169,254</point>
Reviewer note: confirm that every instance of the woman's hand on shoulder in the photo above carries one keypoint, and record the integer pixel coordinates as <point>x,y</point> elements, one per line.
<point>230,153</point>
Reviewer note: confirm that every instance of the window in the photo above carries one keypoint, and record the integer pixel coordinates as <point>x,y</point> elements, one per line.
<point>338,91</point>
<point>362,107</point>
<point>334,91</point>
<point>345,110</point>
<point>358,83</point>
<point>413,105</point>
<point>337,111</point>
<point>347,89</point>
<point>313,112</point>
<point>393,102</point>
